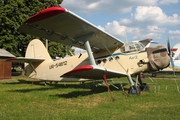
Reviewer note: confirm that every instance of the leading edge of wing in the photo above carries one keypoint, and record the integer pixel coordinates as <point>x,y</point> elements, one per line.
<point>61,25</point>
<point>25,59</point>
<point>93,72</point>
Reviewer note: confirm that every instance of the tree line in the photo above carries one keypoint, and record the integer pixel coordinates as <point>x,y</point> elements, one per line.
<point>12,14</point>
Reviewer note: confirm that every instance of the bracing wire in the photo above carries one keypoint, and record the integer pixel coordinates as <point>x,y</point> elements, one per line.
<point>110,52</point>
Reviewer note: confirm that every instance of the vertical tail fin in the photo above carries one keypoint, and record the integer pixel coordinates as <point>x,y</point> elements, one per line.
<point>176,52</point>
<point>36,49</point>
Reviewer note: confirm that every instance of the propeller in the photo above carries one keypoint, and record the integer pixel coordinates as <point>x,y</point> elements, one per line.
<point>170,55</point>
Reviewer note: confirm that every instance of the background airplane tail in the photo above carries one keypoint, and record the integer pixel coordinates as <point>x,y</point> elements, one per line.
<point>176,52</point>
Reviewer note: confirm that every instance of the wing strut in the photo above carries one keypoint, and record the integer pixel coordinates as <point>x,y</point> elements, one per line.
<point>33,70</point>
<point>89,51</point>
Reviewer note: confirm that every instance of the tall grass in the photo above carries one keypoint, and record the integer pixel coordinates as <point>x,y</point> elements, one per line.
<point>22,100</point>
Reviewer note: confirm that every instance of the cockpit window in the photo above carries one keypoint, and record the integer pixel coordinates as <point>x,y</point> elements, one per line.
<point>131,47</point>
<point>137,46</point>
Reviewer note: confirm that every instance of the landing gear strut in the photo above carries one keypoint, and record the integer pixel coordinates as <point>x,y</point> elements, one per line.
<point>136,88</point>
<point>142,86</point>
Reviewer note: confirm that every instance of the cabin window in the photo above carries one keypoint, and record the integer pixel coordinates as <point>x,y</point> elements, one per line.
<point>131,47</point>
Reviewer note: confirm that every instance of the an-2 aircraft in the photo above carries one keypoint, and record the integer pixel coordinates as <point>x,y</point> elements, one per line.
<point>106,57</point>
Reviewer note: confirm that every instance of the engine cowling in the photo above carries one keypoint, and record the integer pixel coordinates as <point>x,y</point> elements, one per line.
<point>158,57</point>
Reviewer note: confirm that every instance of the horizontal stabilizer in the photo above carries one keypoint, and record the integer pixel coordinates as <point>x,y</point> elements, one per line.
<point>93,72</point>
<point>146,42</point>
<point>25,59</point>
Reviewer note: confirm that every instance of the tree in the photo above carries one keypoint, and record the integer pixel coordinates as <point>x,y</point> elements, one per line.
<point>59,1</point>
<point>13,14</point>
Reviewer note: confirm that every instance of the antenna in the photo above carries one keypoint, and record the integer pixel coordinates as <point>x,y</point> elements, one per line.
<point>47,44</point>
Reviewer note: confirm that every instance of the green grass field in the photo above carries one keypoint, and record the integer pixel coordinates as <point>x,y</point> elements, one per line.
<point>22,100</point>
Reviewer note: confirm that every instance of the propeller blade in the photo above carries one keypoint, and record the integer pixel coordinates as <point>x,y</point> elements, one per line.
<point>170,55</point>
<point>168,47</point>
<point>172,63</point>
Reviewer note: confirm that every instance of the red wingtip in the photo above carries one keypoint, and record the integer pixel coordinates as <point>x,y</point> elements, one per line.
<point>46,13</point>
<point>81,68</point>
<point>149,39</point>
<point>13,58</point>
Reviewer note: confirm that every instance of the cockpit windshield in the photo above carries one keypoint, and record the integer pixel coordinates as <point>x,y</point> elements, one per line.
<point>132,47</point>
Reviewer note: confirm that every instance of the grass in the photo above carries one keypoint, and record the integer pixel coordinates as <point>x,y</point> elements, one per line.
<point>22,100</point>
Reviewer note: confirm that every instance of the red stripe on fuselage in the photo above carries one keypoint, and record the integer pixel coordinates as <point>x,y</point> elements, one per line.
<point>46,13</point>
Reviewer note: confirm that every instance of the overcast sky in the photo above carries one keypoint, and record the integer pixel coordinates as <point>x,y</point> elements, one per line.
<point>141,19</point>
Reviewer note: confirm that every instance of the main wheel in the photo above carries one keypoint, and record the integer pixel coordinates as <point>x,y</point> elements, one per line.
<point>135,90</point>
<point>144,87</point>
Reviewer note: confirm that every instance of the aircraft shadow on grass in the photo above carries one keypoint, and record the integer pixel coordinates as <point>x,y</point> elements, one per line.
<point>95,90</point>
<point>22,81</point>
<point>82,89</point>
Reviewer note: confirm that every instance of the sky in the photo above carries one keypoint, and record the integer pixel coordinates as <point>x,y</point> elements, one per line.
<point>138,19</point>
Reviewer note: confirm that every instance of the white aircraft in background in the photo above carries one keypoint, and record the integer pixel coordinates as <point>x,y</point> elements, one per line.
<point>106,57</point>
<point>175,53</point>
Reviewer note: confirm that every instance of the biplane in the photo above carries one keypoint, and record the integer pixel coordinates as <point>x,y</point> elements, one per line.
<point>106,56</point>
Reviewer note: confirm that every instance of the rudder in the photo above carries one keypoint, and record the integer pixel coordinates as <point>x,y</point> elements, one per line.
<point>36,49</point>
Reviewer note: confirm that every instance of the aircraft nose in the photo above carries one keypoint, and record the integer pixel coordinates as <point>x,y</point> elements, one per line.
<point>158,57</point>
